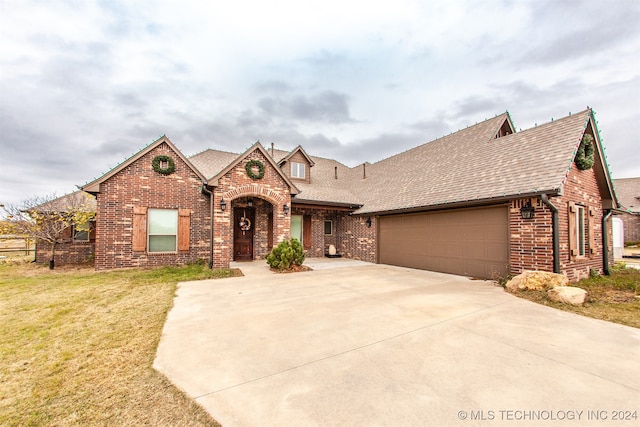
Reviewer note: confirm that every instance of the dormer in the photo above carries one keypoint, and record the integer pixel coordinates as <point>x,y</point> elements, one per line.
<point>297,165</point>
<point>506,128</point>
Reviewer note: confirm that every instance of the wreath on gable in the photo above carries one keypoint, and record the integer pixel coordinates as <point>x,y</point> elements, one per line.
<point>253,164</point>
<point>164,165</point>
<point>586,153</point>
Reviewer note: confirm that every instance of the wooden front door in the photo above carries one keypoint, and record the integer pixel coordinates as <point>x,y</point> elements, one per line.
<point>243,234</point>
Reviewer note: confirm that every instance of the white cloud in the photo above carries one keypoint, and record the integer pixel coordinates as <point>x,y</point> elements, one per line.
<point>85,84</point>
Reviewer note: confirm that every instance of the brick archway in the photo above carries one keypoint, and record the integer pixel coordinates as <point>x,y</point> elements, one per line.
<point>255,190</point>
<point>223,226</point>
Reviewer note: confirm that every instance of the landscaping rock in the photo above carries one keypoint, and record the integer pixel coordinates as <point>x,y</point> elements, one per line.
<point>537,280</point>
<point>567,295</point>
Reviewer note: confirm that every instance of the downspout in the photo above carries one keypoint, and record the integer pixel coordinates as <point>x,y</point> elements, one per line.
<point>605,243</point>
<point>554,232</point>
<point>210,193</point>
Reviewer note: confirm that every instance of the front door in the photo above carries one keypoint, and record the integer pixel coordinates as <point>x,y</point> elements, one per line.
<point>243,234</point>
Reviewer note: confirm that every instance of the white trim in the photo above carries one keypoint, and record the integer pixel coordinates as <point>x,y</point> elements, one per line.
<point>296,168</point>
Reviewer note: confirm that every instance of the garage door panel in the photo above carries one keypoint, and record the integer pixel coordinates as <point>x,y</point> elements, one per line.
<point>474,234</point>
<point>471,242</point>
<point>494,233</point>
<point>496,252</point>
<point>474,252</point>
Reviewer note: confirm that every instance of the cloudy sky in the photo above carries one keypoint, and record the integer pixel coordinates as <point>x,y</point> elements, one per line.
<point>86,84</point>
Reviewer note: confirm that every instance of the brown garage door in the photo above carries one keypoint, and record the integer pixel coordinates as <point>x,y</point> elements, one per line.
<point>470,242</point>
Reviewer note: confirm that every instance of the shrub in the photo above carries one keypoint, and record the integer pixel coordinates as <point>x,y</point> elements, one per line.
<point>287,254</point>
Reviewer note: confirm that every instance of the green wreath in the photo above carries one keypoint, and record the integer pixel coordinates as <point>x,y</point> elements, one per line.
<point>158,160</point>
<point>586,152</point>
<point>249,168</point>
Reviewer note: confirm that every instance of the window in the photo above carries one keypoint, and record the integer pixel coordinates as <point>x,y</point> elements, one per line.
<point>163,230</point>
<point>81,232</point>
<point>296,227</point>
<point>328,228</point>
<point>297,170</point>
<point>580,230</point>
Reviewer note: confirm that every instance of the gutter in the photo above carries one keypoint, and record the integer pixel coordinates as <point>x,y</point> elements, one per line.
<point>605,242</point>
<point>207,191</point>
<point>296,201</point>
<point>555,233</point>
<point>455,204</point>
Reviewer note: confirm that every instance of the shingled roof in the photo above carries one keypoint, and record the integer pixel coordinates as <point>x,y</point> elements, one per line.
<point>68,202</point>
<point>473,165</point>
<point>211,162</point>
<point>480,164</point>
<point>628,192</point>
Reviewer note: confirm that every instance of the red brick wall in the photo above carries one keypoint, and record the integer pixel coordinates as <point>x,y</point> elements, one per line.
<point>581,188</point>
<point>69,252</point>
<point>318,246</point>
<point>631,224</point>
<point>357,240</point>
<point>236,185</point>
<point>351,236</point>
<point>139,185</point>
<point>531,240</point>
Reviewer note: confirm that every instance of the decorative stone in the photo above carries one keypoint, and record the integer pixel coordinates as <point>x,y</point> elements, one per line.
<point>537,280</point>
<point>332,250</point>
<point>567,295</point>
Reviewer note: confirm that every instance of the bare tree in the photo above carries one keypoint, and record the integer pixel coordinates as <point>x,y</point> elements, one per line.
<point>48,218</point>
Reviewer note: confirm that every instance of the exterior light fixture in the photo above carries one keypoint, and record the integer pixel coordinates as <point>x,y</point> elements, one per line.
<point>223,205</point>
<point>250,203</point>
<point>368,222</point>
<point>527,211</point>
<point>285,208</point>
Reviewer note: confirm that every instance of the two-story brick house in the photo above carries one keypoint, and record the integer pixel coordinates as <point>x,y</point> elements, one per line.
<point>485,201</point>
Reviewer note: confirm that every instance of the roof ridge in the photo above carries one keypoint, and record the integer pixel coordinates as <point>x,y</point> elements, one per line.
<point>441,138</point>
<point>553,121</point>
<point>213,150</point>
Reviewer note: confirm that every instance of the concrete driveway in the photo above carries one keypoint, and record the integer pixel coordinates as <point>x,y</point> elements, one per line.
<point>367,345</point>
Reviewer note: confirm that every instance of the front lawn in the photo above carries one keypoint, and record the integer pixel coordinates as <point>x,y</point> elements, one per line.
<point>613,298</point>
<point>77,347</point>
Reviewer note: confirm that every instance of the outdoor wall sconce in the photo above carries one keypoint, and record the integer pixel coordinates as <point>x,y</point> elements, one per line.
<point>527,211</point>
<point>223,205</point>
<point>250,203</point>
<point>368,222</point>
<point>285,208</point>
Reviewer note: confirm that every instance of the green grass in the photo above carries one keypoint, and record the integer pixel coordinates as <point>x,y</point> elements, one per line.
<point>612,298</point>
<point>77,347</point>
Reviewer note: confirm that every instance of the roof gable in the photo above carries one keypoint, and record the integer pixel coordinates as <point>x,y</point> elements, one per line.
<point>94,186</point>
<point>257,146</point>
<point>600,168</point>
<point>293,152</point>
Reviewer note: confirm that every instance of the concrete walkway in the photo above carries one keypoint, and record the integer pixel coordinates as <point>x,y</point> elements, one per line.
<point>368,345</point>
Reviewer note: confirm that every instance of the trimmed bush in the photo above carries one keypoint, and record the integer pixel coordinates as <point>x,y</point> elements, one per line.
<point>287,254</point>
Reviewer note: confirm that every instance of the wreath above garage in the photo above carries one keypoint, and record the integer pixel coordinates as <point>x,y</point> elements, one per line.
<point>164,165</point>
<point>586,152</point>
<point>255,169</point>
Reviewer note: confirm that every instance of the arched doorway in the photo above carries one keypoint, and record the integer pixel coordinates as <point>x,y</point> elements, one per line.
<point>253,228</point>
